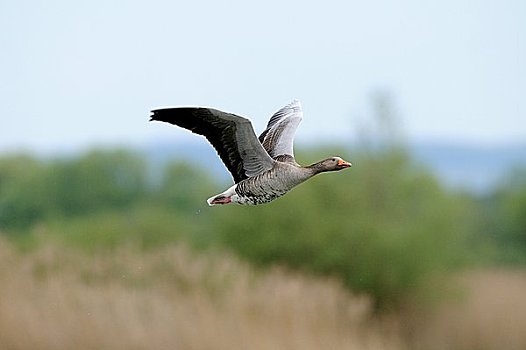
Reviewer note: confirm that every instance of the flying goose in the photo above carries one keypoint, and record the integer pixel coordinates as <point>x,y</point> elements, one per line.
<point>263,168</point>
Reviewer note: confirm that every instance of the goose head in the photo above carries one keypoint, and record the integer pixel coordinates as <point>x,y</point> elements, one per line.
<point>331,164</point>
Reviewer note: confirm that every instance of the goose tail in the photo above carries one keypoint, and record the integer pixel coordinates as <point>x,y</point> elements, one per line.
<point>229,196</point>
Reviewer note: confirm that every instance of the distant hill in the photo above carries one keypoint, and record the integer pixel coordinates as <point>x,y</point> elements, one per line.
<point>477,169</point>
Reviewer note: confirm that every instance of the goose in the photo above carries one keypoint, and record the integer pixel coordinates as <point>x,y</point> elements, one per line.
<point>263,168</point>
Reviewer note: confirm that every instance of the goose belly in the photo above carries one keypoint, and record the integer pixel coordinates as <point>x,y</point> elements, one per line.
<point>260,190</point>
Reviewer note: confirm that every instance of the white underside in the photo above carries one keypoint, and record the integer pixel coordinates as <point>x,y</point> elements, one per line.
<point>231,192</point>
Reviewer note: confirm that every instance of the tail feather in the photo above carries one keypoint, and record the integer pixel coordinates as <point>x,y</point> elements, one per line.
<point>219,199</point>
<point>224,198</point>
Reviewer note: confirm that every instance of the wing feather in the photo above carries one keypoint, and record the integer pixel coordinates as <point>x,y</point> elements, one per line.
<point>278,137</point>
<point>232,136</point>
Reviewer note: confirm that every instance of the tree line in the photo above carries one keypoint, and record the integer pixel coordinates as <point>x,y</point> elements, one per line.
<point>384,228</point>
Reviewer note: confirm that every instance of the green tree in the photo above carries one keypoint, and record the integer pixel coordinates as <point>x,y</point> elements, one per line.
<point>184,188</point>
<point>98,180</point>
<point>32,190</point>
<point>505,218</point>
<point>384,227</point>
<point>24,194</point>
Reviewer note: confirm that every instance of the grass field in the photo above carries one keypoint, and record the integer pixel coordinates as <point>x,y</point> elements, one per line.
<point>54,298</point>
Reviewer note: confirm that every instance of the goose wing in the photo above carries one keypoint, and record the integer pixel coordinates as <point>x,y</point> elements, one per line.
<point>278,137</point>
<point>232,137</point>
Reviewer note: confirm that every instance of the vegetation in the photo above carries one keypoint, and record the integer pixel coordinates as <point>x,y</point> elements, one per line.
<point>505,218</point>
<point>354,260</point>
<point>385,229</point>
<point>127,298</point>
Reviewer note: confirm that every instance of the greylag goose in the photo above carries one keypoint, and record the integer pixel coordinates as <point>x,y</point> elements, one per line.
<point>263,168</point>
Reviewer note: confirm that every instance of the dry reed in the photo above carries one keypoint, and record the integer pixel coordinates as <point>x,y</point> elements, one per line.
<point>54,298</point>
<point>173,299</point>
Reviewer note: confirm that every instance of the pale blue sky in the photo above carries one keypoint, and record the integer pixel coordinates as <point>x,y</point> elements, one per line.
<point>79,73</point>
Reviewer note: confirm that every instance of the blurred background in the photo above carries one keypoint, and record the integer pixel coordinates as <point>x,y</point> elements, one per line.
<point>106,240</point>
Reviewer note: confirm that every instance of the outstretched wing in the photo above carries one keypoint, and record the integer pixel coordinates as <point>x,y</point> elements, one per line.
<point>278,137</point>
<point>232,137</point>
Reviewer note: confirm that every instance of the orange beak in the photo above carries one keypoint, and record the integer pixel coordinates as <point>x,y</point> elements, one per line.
<point>344,164</point>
